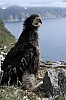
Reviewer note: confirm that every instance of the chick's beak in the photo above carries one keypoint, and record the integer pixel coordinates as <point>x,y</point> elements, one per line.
<point>40,21</point>
<point>37,22</point>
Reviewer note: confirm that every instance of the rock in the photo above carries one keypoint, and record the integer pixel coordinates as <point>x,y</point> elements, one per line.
<point>1,74</point>
<point>50,82</point>
<point>62,80</point>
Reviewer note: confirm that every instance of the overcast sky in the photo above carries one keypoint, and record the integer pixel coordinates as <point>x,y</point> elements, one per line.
<point>27,3</point>
<point>24,1</point>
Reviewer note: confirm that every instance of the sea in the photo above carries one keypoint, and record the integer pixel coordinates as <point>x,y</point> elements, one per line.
<point>52,38</point>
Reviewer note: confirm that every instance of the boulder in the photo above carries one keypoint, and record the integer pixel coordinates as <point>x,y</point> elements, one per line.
<point>62,80</point>
<point>50,82</point>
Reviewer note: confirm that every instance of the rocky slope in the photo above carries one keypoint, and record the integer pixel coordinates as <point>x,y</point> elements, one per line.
<point>6,38</point>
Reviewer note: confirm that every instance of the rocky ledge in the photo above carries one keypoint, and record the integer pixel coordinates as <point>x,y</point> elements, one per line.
<point>51,80</point>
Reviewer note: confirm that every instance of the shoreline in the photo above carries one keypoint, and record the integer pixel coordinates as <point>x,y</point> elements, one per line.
<point>11,21</point>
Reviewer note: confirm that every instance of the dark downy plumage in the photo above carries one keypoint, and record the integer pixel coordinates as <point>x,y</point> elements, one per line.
<point>25,54</point>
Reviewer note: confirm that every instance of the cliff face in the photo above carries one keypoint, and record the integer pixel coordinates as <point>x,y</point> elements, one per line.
<point>16,13</point>
<point>6,37</point>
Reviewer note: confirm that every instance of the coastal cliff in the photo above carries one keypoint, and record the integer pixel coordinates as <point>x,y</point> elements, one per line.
<point>17,13</point>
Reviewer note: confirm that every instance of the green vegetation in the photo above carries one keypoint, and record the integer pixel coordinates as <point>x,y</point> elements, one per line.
<point>16,93</point>
<point>6,37</point>
<point>10,93</point>
<point>59,98</point>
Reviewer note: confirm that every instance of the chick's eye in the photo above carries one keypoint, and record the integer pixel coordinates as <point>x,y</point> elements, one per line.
<point>37,19</point>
